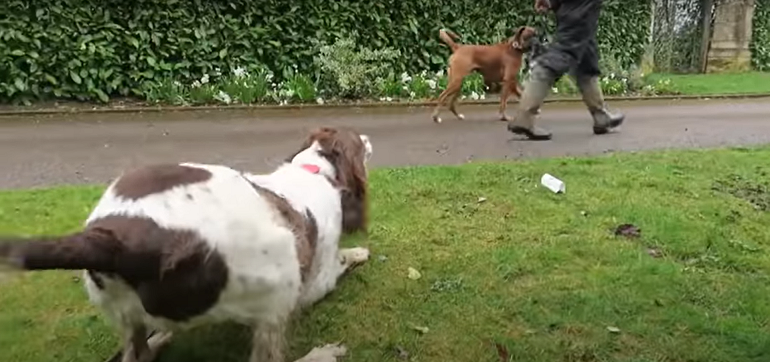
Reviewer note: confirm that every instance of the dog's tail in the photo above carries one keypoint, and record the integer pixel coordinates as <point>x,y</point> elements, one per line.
<point>91,249</point>
<point>449,37</point>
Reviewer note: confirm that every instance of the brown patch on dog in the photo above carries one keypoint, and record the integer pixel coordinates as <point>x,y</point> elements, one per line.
<point>345,150</point>
<point>154,179</point>
<point>174,272</point>
<point>305,228</point>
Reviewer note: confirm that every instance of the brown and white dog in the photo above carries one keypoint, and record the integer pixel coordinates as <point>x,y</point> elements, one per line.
<point>169,247</point>
<point>497,63</point>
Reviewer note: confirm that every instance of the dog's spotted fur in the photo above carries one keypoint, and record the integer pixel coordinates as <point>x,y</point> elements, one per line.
<point>173,246</point>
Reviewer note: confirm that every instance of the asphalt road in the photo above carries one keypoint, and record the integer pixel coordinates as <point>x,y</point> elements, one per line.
<point>72,149</point>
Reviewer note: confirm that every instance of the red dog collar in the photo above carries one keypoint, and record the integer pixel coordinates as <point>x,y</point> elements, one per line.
<point>311,168</point>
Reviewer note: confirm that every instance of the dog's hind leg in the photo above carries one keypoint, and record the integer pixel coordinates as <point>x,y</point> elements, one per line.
<point>140,349</point>
<point>439,103</point>
<point>453,90</point>
<point>269,342</point>
<point>453,106</point>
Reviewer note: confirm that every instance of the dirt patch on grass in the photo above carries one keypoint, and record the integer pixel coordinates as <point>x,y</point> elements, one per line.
<point>757,194</point>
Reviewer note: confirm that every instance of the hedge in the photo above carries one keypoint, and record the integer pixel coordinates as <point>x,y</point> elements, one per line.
<point>760,40</point>
<point>94,49</point>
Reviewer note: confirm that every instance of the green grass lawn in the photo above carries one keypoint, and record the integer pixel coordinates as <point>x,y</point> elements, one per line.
<point>729,83</point>
<point>539,274</point>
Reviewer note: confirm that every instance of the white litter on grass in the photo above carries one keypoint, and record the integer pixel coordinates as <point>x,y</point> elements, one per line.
<point>552,183</point>
<point>414,274</point>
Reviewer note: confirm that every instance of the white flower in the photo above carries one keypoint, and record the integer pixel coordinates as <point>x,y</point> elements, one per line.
<point>196,84</point>
<point>217,72</point>
<point>388,99</point>
<point>482,96</point>
<point>284,102</point>
<point>474,95</point>
<point>431,83</point>
<point>269,77</point>
<point>405,78</point>
<point>205,79</point>
<point>223,97</point>
<point>440,73</point>
<point>612,75</point>
<point>412,95</point>
<point>239,72</point>
<point>319,100</point>
<point>555,90</point>
<point>176,83</point>
<point>405,88</point>
<point>424,73</point>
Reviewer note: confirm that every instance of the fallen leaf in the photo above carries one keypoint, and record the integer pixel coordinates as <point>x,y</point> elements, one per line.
<point>401,353</point>
<point>628,230</point>
<point>502,352</point>
<point>414,274</point>
<point>422,330</point>
<point>613,329</point>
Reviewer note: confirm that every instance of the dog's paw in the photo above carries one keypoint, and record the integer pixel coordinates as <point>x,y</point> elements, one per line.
<point>327,353</point>
<point>437,119</point>
<point>354,256</point>
<point>461,116</point>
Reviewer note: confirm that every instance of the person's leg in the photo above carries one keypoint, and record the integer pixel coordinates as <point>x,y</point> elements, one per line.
<point>572,37</point>
<point>586,76</point>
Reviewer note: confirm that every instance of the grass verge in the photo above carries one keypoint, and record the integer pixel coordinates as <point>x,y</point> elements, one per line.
<point>541,276</point>
<point>727,83</point>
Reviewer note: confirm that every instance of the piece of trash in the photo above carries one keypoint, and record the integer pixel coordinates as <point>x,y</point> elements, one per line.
<point>613,329</point>
<point>482,199</point>
<point>422,330</point>
<point>584,213</point>
<point>382,258</point>
<point>401,353</point>
<point>655,253</point>
<point>552,183</point>
<point>502,352</point>
<point>628,230</point>
<point>414,274</point>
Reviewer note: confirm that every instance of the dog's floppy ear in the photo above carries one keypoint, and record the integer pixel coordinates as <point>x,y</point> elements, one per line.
<point>516,39</point>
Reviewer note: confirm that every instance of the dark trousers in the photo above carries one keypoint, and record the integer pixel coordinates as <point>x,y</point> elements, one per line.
<point>574,48</point>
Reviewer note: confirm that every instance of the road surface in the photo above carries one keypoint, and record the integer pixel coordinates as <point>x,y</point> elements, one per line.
<point>92,148</point>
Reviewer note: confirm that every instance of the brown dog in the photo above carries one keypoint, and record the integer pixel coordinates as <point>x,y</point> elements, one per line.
<point>497,63</point>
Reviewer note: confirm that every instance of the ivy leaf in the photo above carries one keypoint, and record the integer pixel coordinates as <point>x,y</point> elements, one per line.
<point>20,85</point>
<point>76,78</point>
<point>102,96</point>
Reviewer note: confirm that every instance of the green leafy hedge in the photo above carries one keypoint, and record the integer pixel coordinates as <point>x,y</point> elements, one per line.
<point>760,40</point>
<point>93,49</point>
